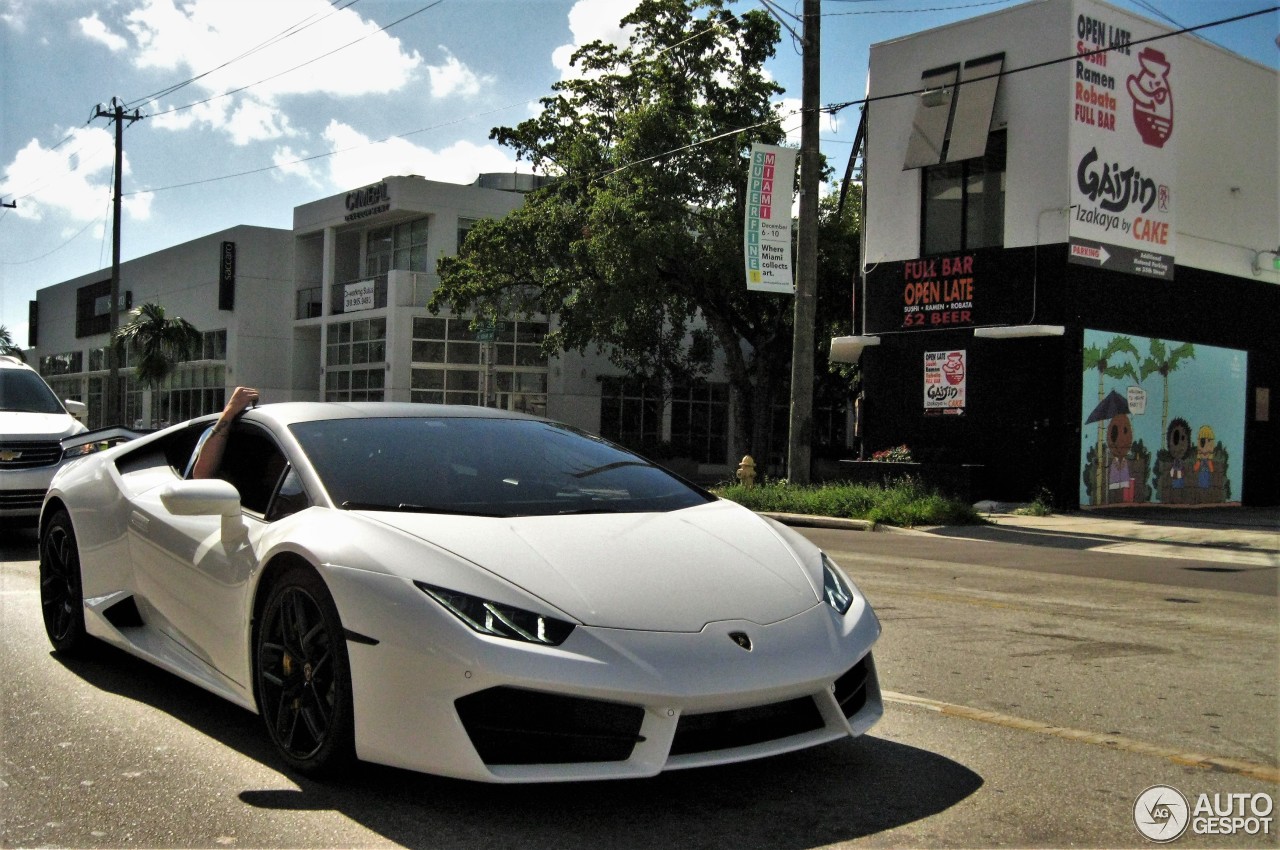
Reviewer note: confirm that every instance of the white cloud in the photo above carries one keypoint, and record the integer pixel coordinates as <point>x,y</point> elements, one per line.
<point>74,179</point>
<point>265,49</point>
<point>254,120</point>
<point>94,29</point>
<point>789,114</point>
<point>455,78</point>
<point>593,20</point>
<point>289,162</point>
<point>364,162</point>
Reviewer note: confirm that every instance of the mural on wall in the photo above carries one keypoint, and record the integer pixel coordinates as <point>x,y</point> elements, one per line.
<point>1183,457</point>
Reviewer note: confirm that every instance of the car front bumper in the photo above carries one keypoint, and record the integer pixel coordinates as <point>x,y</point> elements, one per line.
<point>431,695</point>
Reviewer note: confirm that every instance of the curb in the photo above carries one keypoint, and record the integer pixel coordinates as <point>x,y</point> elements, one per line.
<point>813,521</point>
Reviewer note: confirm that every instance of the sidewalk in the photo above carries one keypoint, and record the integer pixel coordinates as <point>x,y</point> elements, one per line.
<point>1239,536</point>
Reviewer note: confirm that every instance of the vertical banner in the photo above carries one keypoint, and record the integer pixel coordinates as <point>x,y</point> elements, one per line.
<point>766,238</point>
<point>945,382</point>
<point>227,276</point>
<point>1122,135</point>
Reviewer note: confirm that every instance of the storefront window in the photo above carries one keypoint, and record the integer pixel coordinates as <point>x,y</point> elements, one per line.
<point>454,364</point>
<point>355,368</point>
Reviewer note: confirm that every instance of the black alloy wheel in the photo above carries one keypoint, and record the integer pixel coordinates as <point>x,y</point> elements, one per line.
<point>303,676</point>
<point>61,594</point>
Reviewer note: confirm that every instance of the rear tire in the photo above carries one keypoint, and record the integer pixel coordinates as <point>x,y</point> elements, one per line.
<point>61,591</point>
<point>303,675</point>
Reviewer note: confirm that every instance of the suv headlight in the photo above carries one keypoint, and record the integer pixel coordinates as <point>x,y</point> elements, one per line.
<point>836,589</point>
<point>498,620</point>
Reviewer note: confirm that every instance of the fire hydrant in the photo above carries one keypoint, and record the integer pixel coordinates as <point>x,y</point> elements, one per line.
<point>747,472</point>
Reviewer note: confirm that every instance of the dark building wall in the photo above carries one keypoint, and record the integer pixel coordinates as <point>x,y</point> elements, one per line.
<point>1022,418</point>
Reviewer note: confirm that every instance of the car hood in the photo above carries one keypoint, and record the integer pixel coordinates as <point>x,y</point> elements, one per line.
<point>21,425</point>
<point>673,571</point>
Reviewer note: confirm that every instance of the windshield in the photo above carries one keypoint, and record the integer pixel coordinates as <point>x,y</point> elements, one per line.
<point>25,392</point>
<point>484,467</point>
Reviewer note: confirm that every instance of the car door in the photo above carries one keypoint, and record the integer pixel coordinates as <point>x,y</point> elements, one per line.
<point>193,571</point>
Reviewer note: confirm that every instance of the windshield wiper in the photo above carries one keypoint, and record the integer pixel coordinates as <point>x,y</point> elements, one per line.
<point>410,508</point>
<point>610,466</point>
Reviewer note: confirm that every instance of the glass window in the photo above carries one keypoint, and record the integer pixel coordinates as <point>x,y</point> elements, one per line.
<point>963,202</point>
<point>483,467</point>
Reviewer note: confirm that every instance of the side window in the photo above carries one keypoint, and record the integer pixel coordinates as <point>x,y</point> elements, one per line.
<point>290,498</point>
<point>254,465</point>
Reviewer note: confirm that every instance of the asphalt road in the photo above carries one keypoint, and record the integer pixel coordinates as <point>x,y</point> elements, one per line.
<point>1032,693</point>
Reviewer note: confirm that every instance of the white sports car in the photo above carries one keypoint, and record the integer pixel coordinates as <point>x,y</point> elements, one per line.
<point>459,591</point>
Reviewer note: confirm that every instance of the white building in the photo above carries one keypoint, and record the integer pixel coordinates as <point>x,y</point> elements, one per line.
<point>1066,201</point>
<point>335,309</point>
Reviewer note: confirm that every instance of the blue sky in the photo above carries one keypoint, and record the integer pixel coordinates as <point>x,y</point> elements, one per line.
<point>432,85</point>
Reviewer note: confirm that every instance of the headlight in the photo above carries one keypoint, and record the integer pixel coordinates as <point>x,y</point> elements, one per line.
<point>835,587</point>
<point>497,620</point>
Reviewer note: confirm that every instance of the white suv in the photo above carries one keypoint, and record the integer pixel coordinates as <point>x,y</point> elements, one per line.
<point>33,423</point>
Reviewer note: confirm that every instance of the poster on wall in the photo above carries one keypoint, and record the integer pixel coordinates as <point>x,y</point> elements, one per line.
<point>358,296</point>
<point>766,235</point>
<point>944,383</point>
<point>1162,422</point>
<point>1123,131</point>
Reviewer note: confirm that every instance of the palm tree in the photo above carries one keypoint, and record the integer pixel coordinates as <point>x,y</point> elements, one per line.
<point>1164,361</point>
<point>159,344</point>
<point>8,346</point>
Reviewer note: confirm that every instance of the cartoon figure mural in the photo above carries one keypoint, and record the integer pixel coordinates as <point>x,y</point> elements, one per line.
<point>1171,464</point>
<point>1199,384</point>
<point>1124,464</point>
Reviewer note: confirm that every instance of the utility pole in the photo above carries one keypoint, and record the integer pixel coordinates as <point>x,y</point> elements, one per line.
<point>800,431</point>
<point>113,413</point>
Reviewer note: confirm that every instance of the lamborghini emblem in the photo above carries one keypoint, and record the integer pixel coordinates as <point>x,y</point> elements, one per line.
<point>741,639</point>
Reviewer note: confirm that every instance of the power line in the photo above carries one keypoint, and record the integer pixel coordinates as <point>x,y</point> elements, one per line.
<point>311,61</point>
<point>279,37</point>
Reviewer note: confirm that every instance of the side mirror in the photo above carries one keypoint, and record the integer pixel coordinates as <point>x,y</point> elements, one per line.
<point>76,408</point>
<point>205,497</point>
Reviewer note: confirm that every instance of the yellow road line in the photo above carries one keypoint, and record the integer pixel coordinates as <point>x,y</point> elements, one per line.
<point>1254,770</point>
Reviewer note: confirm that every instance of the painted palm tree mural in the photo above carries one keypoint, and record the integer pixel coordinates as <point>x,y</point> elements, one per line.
<point>1202,408</point>
<point>158,343</point>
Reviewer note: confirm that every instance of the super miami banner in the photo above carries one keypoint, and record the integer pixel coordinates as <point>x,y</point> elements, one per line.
<point>766,235</point>
<point>1123,130</point>
<point>1162,421</point>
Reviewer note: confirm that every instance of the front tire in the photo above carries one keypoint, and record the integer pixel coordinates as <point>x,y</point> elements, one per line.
<point>61,591</point>
<point>304,676</point>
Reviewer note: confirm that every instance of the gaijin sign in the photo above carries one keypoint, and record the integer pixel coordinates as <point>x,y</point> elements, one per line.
<point>945,379</point>
<point>1121,139</point>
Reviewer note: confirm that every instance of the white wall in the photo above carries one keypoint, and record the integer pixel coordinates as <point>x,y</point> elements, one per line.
<point>1227,113</point>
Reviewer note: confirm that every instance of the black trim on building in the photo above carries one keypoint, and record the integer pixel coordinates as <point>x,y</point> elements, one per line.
<point>1021,420</point>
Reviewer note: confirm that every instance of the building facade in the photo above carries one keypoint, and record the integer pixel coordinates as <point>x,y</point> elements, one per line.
<point>1070,272</point>
<point>335,309</point>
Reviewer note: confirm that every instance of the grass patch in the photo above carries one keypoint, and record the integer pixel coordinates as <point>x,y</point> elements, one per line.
<point>906,503</point>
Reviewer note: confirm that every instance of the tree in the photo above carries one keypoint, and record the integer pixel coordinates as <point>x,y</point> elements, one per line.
<point>8,346</point>
<point>636,247</point>
<point>1164,361</point>
<point>158,343</point>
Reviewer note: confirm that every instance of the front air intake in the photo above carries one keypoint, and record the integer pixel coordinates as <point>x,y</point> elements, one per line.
<point>514,726</point>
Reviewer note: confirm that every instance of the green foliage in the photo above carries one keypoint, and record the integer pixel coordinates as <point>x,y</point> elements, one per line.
<point>8,346</point>
<point>636,247</point>
<point>897,454</point>
<point>159,342</point>
<point>905,503</point>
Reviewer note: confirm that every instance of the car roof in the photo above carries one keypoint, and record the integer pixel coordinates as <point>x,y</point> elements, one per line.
<point>8,361</point>
<point>291,412</point>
